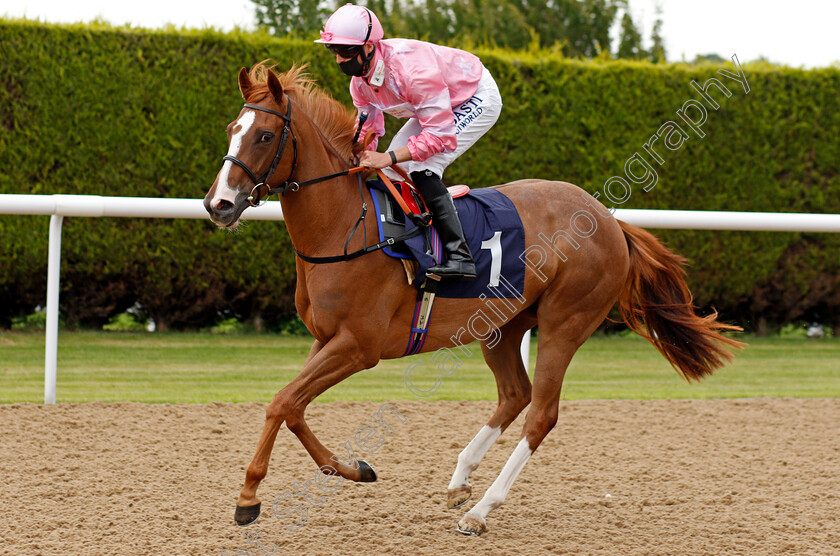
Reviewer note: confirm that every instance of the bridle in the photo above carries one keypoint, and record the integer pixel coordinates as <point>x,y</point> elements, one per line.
<point>255,198</point>
<point>259,182</point>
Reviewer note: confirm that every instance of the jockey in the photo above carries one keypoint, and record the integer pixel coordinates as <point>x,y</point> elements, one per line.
<point>448,96</point>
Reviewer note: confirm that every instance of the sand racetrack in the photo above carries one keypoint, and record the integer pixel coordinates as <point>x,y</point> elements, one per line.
<point>758,476</point>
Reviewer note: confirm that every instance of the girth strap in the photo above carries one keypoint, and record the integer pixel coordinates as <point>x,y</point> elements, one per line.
<point>422,314</point>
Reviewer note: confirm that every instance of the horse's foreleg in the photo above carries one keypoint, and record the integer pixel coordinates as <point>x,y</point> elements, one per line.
<point>359,471</point>
<point>514,388</point>
<point>326,365</point>
<point>248,506</point>
<point>258,467</point>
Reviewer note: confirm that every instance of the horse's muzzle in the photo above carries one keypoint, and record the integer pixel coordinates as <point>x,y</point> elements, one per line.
<point>224,213</point>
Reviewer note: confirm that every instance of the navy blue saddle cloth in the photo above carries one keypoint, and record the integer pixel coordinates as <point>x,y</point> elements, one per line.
<point>494,234</point>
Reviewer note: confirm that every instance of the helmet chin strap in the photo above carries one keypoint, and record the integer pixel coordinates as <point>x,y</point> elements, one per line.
<point>367,59</point>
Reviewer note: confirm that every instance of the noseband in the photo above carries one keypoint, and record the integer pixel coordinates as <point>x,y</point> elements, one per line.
<point>255,198</point>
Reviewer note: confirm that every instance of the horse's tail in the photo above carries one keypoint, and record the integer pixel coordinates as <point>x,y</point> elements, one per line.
<point>655,302</point>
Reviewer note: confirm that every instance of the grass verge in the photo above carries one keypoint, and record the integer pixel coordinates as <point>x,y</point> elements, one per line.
<point>200,368</point>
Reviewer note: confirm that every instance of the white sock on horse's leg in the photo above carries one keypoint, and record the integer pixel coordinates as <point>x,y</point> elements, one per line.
<point>472,455</point>
<point>498,491</point>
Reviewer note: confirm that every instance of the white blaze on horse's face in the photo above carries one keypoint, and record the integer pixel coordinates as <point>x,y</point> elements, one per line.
<point>224,191</point>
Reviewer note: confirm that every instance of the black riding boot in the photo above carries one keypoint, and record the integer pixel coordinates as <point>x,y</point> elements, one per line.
<point>459,262</point>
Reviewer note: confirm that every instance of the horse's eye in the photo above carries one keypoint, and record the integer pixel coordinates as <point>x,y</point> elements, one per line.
<point>266,137</point>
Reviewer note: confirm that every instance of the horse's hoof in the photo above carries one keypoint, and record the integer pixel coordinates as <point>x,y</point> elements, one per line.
<point>457,497</point>
<point>366,472</point>
<point>245,515</point>
<point>471,525</point>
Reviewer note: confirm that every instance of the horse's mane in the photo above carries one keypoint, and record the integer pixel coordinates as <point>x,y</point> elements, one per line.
<point>334,120</point>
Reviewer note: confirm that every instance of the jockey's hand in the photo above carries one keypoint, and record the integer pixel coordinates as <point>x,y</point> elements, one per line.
<point>375,160</point>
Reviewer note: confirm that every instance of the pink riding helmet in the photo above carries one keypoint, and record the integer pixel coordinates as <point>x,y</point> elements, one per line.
<point>352,24</point>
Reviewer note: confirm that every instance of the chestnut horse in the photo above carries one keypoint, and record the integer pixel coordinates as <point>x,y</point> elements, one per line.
<point>360,311</point>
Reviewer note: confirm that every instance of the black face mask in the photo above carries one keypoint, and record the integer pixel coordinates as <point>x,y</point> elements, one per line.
<point>353,67</point>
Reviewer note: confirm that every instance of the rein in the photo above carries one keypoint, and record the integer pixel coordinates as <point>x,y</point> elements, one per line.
<point>422,222</point>
<point>256,197</point>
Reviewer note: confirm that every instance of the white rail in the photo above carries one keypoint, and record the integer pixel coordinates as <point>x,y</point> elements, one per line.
<point>130,207</point>
<point>737,221</point>
<point>59,206</point>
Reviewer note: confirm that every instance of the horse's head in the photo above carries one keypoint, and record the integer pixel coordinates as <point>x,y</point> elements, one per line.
<point>261,151</point>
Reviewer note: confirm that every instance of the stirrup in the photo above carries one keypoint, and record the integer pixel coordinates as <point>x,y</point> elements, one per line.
<point>457,269</point>
<point>421,220</point>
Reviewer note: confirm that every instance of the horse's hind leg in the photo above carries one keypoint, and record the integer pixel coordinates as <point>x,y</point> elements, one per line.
<point>514,387</point>
<point>565,322</point>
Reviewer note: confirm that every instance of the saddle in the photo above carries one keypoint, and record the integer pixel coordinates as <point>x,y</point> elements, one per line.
<point>391,221</point>
<point>392,225</point>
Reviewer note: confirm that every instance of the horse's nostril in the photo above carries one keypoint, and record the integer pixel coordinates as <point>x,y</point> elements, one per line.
<point>223,206</point>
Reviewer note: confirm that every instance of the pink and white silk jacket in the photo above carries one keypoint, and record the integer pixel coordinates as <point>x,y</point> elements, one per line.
<point>416,79</point>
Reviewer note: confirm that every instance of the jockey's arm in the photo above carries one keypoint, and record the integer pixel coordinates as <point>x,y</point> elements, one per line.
<point>430,96</point>
<point>377,160</point>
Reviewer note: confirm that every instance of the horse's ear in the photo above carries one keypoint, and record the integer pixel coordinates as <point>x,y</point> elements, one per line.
<point>275,87</point>
<point>244,83</point>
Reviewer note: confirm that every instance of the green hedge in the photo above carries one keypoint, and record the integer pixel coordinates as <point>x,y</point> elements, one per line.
<point>118,111</point>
